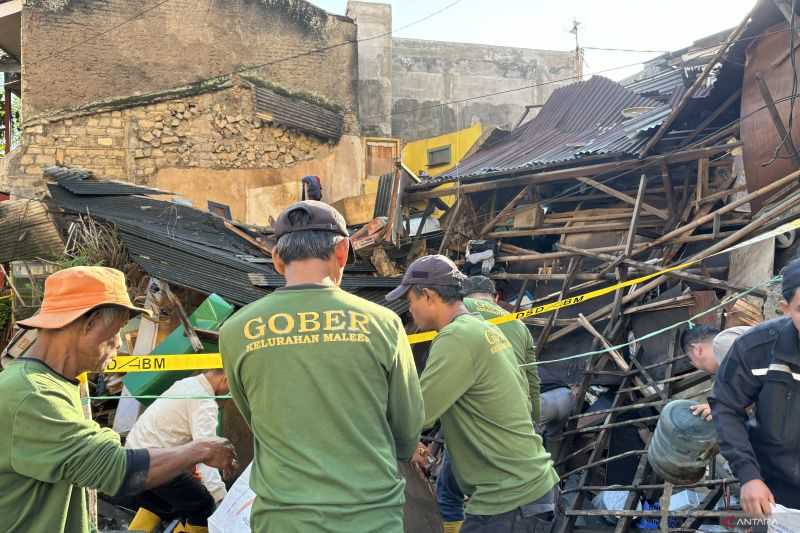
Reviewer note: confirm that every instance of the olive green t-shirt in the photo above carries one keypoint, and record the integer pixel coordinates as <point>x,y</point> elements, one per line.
<point>49,452</point>
<point>472,383</point>
<point>521,340</point>
<point>326,380</point>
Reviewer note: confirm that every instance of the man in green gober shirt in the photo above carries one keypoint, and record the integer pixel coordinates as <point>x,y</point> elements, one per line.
<point>326,381</point>
<point>472,383</point>
<point>48,450</point>
<point>480,296</point>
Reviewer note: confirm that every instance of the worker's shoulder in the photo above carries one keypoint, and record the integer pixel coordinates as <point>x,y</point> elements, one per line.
<point>763,334</point>
<point>483,307</point>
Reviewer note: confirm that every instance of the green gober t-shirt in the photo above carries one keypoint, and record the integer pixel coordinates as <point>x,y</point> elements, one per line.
<point>326,380</point>
<point>49,452</point>
<point>521,341</point>
<point>472,383</point>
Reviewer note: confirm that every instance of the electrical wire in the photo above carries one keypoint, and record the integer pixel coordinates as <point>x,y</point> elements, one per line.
<point>287,58</point>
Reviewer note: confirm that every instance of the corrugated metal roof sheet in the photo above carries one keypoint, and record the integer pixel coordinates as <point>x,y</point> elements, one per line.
<point>82,182</point>
<point>193,249</point>
<point>299,114</point>
<point>581,119</point>
<point>27,231</point>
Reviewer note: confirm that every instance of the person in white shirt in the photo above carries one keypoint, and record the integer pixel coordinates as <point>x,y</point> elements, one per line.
<point>187,411</point>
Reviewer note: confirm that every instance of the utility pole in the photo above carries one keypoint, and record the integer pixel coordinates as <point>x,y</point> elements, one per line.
<point>578,51</point>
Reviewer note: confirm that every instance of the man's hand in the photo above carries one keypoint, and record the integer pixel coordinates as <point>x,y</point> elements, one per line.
<point>421,458</point>
<point>703,410</point>
<point>757,499</point>
<point>217,452</point>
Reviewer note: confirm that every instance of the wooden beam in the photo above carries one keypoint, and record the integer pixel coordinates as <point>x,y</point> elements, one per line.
<point>451,221</point>
<point>624,522</point>
<point>191,334</point>
<point>647,267</point>
<point>669,191</point>
<point>615,355</point>
<point>713,116</point>
<point>775,185</point>
<point>582,276</point>
<point>698,82</point>
<point>525,177</point>
<point>624,197</point>
<point>703,186</point>
<point>572,270</point>
<point>568,230</point>
<point>506,211</point>
<point>787,142</point>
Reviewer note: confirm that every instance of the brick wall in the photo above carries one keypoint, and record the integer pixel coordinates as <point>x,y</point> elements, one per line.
<point>217,130</point>
<point>176,44</point>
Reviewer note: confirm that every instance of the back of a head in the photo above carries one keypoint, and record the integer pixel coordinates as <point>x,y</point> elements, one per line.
<point>306,244</point>
<point>697,335</point>
<point>791,279</point>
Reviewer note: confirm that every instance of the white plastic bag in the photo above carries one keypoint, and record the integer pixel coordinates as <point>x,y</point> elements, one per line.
<point>784,520</point>
<point>233,514</point>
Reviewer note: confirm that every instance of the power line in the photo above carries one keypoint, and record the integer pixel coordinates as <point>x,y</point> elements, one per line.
<point>625,50</point>
<point>275,61</point>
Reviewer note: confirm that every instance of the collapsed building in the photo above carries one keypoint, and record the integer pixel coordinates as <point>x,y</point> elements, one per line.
<point>637,186</point>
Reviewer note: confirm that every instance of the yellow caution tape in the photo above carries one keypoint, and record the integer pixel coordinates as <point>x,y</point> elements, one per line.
<point>164,363</point>
<point>205,361</point>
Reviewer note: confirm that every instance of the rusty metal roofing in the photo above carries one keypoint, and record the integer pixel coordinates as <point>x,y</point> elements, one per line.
<point>27,231</point>
<point>578,120</point>
<point>82,183</point>
<point>299,114</point>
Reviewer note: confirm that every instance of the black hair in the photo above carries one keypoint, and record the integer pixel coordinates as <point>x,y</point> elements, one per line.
<point>308,244</point>
<point>447,293</point>
<point>697,335</point>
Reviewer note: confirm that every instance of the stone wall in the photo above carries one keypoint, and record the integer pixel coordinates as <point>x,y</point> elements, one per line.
<point>207,146</point>
<point>179,43</point>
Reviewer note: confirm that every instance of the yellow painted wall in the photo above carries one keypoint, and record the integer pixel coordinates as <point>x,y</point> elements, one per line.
<point>415,154</point>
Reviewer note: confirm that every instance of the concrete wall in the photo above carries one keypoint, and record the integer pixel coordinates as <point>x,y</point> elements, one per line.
<point>374,22</point>
<point>176,44</point>
<point>427,73</point>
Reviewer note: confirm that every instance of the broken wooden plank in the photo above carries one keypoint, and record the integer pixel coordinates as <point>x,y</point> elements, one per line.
<point>698,82</point>
<point>506,211</point>
<point>568,230</point>
<point>647,267</point>
<point>729,101</point>
<point>191,334</point>
<point>775,185</point>
<point>669,191</point>
<point>572,269</point>
<point>660,213</point>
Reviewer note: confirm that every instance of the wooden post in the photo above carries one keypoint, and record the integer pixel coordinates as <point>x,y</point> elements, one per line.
<point>191,334</point>
<point>506,211</point>
<point>713,116</point>
<point>7,118</point>
<point>702,180</point>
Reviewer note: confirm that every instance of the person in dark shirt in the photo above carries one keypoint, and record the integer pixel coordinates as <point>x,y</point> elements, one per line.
<point>763,369</point>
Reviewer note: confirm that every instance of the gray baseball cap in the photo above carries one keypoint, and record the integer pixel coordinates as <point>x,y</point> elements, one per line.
<point>428,271</point>
<point>724,340</point>
<point>322,218</point>
<point>475,284</point>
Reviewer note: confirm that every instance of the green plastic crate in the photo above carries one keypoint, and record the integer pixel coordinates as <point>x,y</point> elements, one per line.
<point>209,316</point>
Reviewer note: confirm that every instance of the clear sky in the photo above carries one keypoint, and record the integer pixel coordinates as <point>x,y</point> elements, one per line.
<point>631,24</point>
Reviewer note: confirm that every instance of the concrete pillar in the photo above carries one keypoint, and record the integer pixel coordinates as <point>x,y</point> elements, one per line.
<point>374,83</point>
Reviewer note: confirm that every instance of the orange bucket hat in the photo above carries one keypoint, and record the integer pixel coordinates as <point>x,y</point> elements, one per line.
<point>72,292</point>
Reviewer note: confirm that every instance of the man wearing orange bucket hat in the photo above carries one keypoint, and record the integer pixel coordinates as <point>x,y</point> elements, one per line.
<point>49,453</point>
